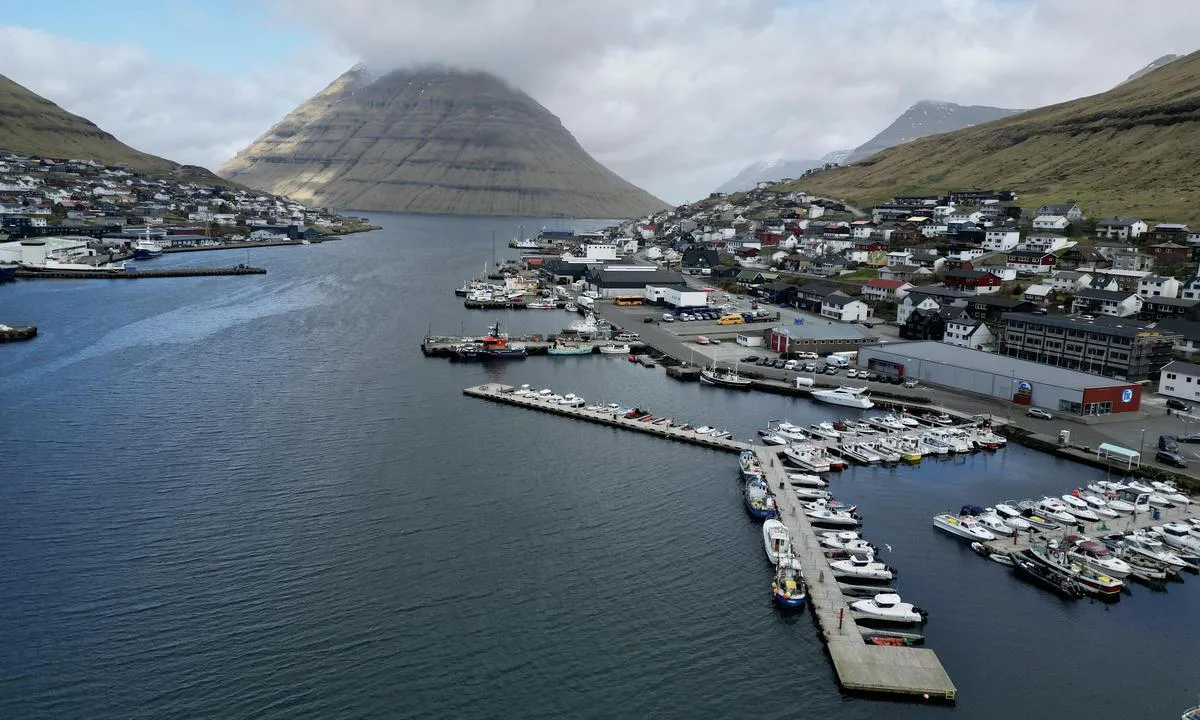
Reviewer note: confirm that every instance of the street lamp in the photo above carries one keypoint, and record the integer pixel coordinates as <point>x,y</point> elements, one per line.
<point>1142,446</point>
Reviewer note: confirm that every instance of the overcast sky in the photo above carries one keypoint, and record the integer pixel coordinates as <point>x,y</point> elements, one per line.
<point>675,95</point>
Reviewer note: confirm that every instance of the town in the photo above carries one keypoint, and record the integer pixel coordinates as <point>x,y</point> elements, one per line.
<point>81,215</point>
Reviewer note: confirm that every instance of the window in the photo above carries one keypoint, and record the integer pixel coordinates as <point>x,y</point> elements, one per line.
<point>1170,376</point>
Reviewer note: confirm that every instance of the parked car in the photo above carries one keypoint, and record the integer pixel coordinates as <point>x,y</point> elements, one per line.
<point>791,364</point>
<point>1166,457</point>
<point>872,376</point>
<point>1170,443</point>
<point>831,370</point>
<point>648,319</point>
<point>851,373</point>
<point>910,383</point>
<point>750,359</point>
<point>1039,414</point>
<point>780,363</point>
<point>1178,405</point>
<point>764,361</point>
<point>810,367</point>
<point>668,317</point>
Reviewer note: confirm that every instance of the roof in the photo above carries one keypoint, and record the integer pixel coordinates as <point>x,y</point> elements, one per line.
<point>1108,325</point>
<point>1046,218</point>
<point>998,302</point>
<point>1070,274</point>
<point>883,284</point>
<point>817,289</point>
<point>1170,226</point>
<point>828,331</point>
<point>1183,368</point>
<point>1038,290</point>
<point>1117,222</point>
<point>1039,254</point>
<point>616,276</point>
<point>1058,209</point>
<point>1189,329</point>
<point>839,299</point>
<point>1105,295</point>
<point>1170,301</point>
<point>976,360</point>
<point>1156,278</point>
<point>910,269</point>
<point>1169,244</point>
<point>967,274</point>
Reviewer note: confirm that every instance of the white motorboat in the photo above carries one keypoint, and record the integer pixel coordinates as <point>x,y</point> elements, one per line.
<point>1171,493</point>
<point>524,391</point>
<point>594,408</point>
<point>772,439</point>
<point>993,523</point>
<point>807,480</point>
<point>935,440</point>
<point>809,494</point>
<point>858,454</point>
<point>703,430</point>
<point>962,526</point>
<point>927,447</point>
<point>1100,507</point>
<point>1118,505</point>
<point>887,423</point>
<point>1154,549</point>
<point>907,420</point>
<point>889,608</point>
<point>906,448</point>
<point>787,430</point>
<point>1079,508</point>
<point>614,349</point>
<point>861,568</point>
<point>824,430</point>
<point>1013,520</point>
<point>830,504</point>
<point>938,419</point>
<point>861,428</point>
<point>1002,558</point>
<point>719,433</point>
<point>884,454</point>
<point>849,541</point>
<point>832,517</point>
<point>1099,558</point>
<point>776,540</point>
<point>847,396</point>
<point>1055,509</point>
<point>1153,496</point>
<point>957,442</point>
<point>1179,537</point>
<point>807,458</point>
<point>724,377</point>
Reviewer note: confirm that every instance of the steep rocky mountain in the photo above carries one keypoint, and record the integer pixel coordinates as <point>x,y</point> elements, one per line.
<point>32,125</point>
<point>766,171</point>
<point>928,117</point>
<point>1164,60</point>
<point>1134,150</point>
<point>433,141</point>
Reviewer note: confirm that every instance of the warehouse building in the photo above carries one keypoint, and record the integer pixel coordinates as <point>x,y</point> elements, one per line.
<point>821,338</point>
<point>613,280</point>
<point>1023,382</point>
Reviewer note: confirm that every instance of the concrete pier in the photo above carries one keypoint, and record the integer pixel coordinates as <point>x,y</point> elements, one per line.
<point>504,394</point>
<point>909,671</point>
<point>135,274</point>
<point>1105,526</point>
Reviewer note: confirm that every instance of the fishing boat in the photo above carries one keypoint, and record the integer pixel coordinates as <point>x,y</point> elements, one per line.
<point>807,458</point>
<point>964,526</point>
<point>903,448</point>
<point>862,569</point>
<point>748,462</point>
<point>1100,585</point>
<point>758,499</point>
<point>145,249</point>
<point>885,455</point>
<point>847,396</point>
<point>887,607</point>
<point>562,347</point>
<point>724,378</point>
<point>542,305</point>
<point>613,349</point>
<point>1060,583</point>
<point>788,589</point>
<point>776,540</point>
<point>858,454</point>
<point>493,346</point>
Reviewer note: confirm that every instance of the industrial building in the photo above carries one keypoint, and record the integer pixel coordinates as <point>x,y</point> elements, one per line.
<point>1117,347</point>
<point>1024,383</point>
<point>612,280</point>
<point>819,338</point>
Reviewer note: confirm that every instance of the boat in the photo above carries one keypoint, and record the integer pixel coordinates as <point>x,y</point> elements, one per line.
<point>845,540</point>
<point>613,349</point>
<point>1094,583</point>
<point>524,391</point>
<point>809,494</point>
<point>887,423</point>
<point>776,540</point>
<point>572,400</point>
<point>1170,492</point>
<point>719,433</point>
<point>807,480</point>
<point>494,346</point>
<point>926,447</point>
<point>788,589</point>
<point>887,607</point>
<point>847,396</point>
<point>862,569</point>
<point>748,463</point>
<point>703,430</point>
<point>936,441</point>
<point>145,249</point>
<point>905,448</point>
<point>1096,556</point>
<point>1007,510</point>
<point>831,517</point>
<point>1036,520</point>
<point>938,419</point>
<point>772,439</point>
<point>885,455</point>
<point>1015,521</point>
<point>957,442</point>
<point>807,458</point>
<point>1154,497</point>
<point>1099,506</point>
<point>570,307</point>
<point>563,347</point>
<point>1154,549</point>
<point>989,520</point>
<point>823,430</point>
<point>1046,577</point>
<point>858,454</point>
<point>787,430</point>
<point>964,526</point>
<point>1179,537</point>
<point>646,361</point>
<point>724,378</point>
<point>1054,509</point>
<point>886,639</point>
<point>828,504</point>
<point>860,428</point>
<point>665,421</point>
<point>1192,713</point>
<point>996,557</point>
<point>542,305</point>
<point>758,499</point>
<point>1079,508</point>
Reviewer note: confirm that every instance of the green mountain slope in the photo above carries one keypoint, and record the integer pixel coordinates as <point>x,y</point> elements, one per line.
<point>1134,150</point>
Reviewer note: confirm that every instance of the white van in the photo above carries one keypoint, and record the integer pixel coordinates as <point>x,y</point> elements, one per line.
<point>668,317</point>
<point>837,361</point>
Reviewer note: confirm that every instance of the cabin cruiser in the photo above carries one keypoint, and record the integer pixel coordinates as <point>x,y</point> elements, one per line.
<point>1054,509</point>
<point>958,443</point>
<point>938,419</point>
<point>829,504</point>
<point>1154,497</point>
<point>787,430</point>
<point>934,440</point>
<point>524,391</point>
<point>1079,508</point>
<point>860,428</point>
<point>906,448</point>
<point>1014,520</point>
<point>1099,584</point>
<point>614,349</point>
<point>823,430</point>
<point>928,447</point>
<point>859,454</point>
<point>788,589</point>
<point>845,540</point>
<point>993,523</point>
<point>806,457</point>
<point>1170,492</point>
<point>572,400</point>
<point>806,480</point>
<point>885,455</point>
<point>1100,507</point>
<point>831,517</point>
<point>772,439</point>
<point>889,608</point>
<point>776,540</point>
<point>887,423</point>
<point>1179,537</point>
<point>847,396</point>
<point>962,526</point>
<point>1097,556</point>
<point>861,568</point>
<point>809,494</point>
<point>1153,548</point>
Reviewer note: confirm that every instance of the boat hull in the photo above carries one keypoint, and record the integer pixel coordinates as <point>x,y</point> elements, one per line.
<point>784,600</point>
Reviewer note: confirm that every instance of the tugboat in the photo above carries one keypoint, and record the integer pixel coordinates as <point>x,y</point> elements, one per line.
<point>494,346</point>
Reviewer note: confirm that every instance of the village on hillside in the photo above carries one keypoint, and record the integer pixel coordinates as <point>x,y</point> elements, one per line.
<point>90,214</point>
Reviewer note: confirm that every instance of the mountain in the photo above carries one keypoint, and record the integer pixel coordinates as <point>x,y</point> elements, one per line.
<point>928,117</point>
<point>1131,151</point>
<point>1164,60</point>
<point>32,125</point>
<point>766,171</point>
<point>837,157</point>
<point>433,141</point>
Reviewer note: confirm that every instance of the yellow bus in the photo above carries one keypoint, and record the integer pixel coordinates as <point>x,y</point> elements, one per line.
<point>629,300</point>
<point>731,319</point>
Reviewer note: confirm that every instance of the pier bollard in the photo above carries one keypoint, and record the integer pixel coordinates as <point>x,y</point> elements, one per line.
<point>841,617</point>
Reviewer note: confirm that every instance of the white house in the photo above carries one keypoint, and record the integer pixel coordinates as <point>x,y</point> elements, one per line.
<point>1046,243</point>
<point>1070,211</point>
<point>914,301</point>
<point>1121,229</point>
<point>840,306</point>
<point>1190,290</point>
<point>966,331</point>
<point>1051,222</point>
<point>899,257</point>
<point>1068,281</point>
<point>958,217</point>
<point>1181,380</point>
<point>863,231</point>
<point>267,236</point>
<point>1001,240</point>
<point>1107,302</point>
<point>1037,294</point>
<point>880,289</point>
<point>967,254</point>
<point>1158,286</point>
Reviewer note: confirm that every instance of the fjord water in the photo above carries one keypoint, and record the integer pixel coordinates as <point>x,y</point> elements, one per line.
<point>253,497</point>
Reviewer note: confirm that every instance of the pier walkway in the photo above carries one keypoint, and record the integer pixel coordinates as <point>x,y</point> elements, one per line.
<point>504,394</point>
<point>914,672</point>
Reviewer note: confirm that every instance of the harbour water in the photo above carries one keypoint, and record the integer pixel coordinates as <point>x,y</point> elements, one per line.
<point>253,497</point>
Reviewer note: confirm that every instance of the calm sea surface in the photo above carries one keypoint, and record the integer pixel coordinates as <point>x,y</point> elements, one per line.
<point>253,497</point>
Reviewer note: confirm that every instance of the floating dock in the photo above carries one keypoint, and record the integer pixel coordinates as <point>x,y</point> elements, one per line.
<point>860,667</point>
<point>135,274</point>
<point>504,394</point>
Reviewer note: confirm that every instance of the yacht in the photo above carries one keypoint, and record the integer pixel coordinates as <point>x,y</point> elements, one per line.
<point>1079,508</point>
<point>1171,493</point>
<point>776,540</point>
<point>787,430</point>
<point>964,526</point>
<point>889,608</point>
<point>887,423</point>
<point>824,431</point>
<point>1100,507</point>
<point>844,540</point>
<point>788,588</point>
<point>1179,536</point>
<point>1013,520</point>
<point>860,568</point>
<point>1056,510</point>
<point>848,396</point>
<point>769,438</point>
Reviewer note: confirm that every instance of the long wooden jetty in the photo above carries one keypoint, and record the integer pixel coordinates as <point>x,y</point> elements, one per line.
<point>860,667</point>
<point>136,274</point>
<point>504,394</point>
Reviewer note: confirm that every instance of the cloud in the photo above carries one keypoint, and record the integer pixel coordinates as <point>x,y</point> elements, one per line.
<point>675,95</point>
<point>174,109</point>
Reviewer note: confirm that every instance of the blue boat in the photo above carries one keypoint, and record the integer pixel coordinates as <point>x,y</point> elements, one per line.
<point>8,272</point>
<point>759,501</point>
<point>788,587</point>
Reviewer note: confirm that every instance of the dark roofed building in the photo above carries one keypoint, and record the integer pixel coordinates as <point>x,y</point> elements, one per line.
<point>1115,347</point>
<point>699,259</point>
<point>988,308</point>
<point>611,280</point>
<point>1157,307</point>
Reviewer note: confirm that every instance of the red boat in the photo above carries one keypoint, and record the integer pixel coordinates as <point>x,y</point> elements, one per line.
<point>632,358</point>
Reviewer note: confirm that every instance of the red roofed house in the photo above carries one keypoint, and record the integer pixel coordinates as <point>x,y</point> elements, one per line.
<point>880,289</point>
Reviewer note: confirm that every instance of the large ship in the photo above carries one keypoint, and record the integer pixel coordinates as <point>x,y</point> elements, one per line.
<point>493,346</point>
<point>848,396</point>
